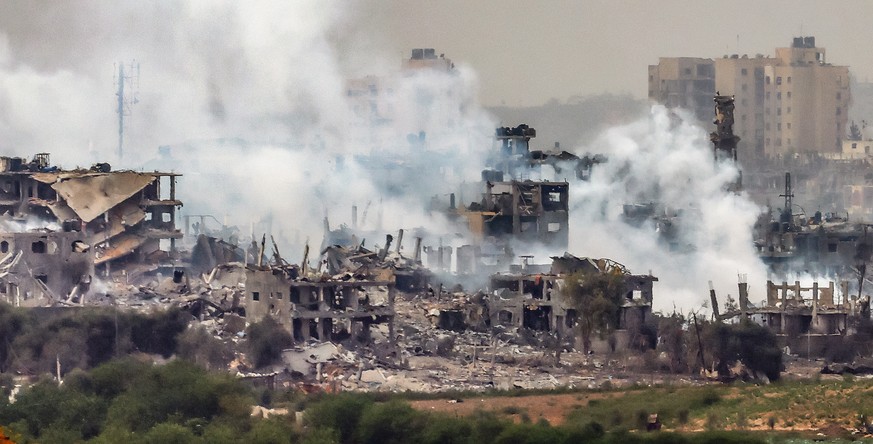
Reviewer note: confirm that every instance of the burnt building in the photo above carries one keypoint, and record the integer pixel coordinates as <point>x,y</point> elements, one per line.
<point>534,297</point>
<point>61,224</point>
<point>803,317</point>
<point>325,310</point>
<point>825,244</point>
<point>528,211</point>
<point>44,266</point>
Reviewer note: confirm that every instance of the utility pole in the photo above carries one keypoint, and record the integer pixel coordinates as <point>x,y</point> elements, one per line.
<point>125,99</point>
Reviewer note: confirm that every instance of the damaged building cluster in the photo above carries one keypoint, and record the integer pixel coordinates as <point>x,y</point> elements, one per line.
<point>66,230</point>
<point>62,228</point>
<point>382,318</point>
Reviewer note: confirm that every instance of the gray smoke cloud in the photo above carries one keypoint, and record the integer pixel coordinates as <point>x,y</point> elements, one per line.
<point>251,98</point>
<point>665,157</point>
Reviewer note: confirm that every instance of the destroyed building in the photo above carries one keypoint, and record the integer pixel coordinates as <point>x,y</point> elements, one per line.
<point>534,296</point>
<point>824,244</point>
<point>63,226</point>
<point>328,310</point>
<point>512,206</point>
<point>528,211</point>
<point>803,317</point>
<point>352,290</point>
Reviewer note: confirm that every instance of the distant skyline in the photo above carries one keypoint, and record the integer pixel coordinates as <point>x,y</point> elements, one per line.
<point>527,53</point>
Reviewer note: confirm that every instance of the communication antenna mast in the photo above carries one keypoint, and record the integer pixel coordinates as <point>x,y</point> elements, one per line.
<point>128,88</point>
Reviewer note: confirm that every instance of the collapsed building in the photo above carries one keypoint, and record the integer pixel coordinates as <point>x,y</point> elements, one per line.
<point>527,211</point>
<point>535,297</point>
<point>824,244</point>
<point>61,227</point>
<point>325,310</point>
<point>803,317</point>
<point>353,289</point>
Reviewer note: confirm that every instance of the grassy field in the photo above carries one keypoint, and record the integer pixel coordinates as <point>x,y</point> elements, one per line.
<point>832,408</point>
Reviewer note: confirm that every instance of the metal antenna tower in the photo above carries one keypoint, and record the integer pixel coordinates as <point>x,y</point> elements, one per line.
<point>128,88</point>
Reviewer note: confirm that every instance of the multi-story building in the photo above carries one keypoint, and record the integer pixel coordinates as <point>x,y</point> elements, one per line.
<point>372,98</point>
<point>61,227</point>
<point>792,103</point>
<point>684,82</point>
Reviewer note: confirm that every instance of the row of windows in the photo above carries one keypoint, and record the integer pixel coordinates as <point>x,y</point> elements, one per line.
<point>41,247</point>
<point>256,295</point>
<point>778,142</point>
<point>295,295</point>
<point>778,111</point>
<point>778,126</point>
<point>778,80</point>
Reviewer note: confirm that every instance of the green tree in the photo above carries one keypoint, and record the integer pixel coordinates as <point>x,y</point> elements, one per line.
<point>393,422</point>
<point>753,345</point>
<point>597,299</point>
<point>341,413</point>
<point>671,329</point>
<point>198,346</point>
<point>157,331</point>
<point>179,391</point>
<point>13,323</point>
<point>169,433</point>
<point>265,341</point>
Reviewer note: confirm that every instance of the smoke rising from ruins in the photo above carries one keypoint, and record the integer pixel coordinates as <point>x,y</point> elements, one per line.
<point>706,232</point>
<point>251,100</point>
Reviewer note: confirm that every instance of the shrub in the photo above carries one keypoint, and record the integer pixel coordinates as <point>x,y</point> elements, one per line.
<point>265,341</point>
<point>512,410</point>
<point>390,423</point>
<point>341,413</point>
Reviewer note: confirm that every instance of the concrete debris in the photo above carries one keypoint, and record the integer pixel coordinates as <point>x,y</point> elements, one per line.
<point>862,366</point>
<point>66,226</point>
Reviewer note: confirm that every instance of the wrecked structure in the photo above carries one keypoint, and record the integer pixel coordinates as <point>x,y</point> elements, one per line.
<point>535,296</point>
<point>328,310</point>
<point>63,226</point>
<point>353,289</point>
<point>803,317</point>
<point>527,211</point>
<point>824,244</point>
<point>723,139</point>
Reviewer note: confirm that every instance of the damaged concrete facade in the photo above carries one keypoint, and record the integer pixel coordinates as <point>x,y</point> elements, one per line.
<point>534,297</point>
<point>353,289</point>
<point>85,219</point>
<point>527,211</point>
<point>44,265</point>
<point>330,310</point>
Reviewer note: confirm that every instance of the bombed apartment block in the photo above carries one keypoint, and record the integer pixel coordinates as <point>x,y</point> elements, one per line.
<point>514,157</point>
<point>44,267</point>
<point>804,317</point>
<point>534,296</point>
<point>325,310</point>
<point>823,244</point>
<point>795,309</point>
<point>635,308</point>
<point>407,273</point>
<point>532,301</point>
<point>69,221</point>
<point>528,211</point>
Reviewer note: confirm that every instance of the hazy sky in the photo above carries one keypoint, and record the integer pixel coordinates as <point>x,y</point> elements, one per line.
<point>527,52</point>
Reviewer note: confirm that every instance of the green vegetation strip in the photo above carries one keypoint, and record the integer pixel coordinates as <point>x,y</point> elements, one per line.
<point>133,402</point>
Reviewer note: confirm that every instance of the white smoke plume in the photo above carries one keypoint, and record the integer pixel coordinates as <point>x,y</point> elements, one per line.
<point>665,158</point>
<point>251,99</point>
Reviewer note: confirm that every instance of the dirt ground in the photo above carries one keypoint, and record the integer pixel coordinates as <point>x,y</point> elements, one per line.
<point>555,407</point>
<point>552,408</point>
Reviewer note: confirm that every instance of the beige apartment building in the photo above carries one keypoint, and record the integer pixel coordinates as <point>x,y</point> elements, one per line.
<point>684,82</point>
<point>794,102</point>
